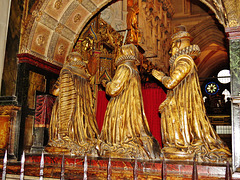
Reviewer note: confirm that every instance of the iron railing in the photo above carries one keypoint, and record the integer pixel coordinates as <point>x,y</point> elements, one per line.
<point>228,174</point>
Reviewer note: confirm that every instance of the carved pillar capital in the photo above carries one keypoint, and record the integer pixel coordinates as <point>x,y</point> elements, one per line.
<point>233,32</point>
<point>236,100</point>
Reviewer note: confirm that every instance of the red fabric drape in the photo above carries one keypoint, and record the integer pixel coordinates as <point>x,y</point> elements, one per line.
<point>152,98</point>
<point>102,103</point>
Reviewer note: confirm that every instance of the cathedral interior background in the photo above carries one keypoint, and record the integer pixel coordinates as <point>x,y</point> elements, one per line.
<point>38,35</point>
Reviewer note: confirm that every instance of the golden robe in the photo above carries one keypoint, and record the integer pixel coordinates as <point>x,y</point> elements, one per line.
<point>73,126</point>
<point>125,132</point>
<point>186,129</point>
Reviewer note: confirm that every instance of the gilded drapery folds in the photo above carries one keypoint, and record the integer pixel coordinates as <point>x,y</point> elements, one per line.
<point>73,127</point>
<point>186,129</point>
<point>125,132</point>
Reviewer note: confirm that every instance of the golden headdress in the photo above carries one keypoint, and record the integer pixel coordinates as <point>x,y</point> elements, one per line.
<point>74,58</point>
<point>127,52</point>
<point>180,32</point>
<point>191,50</point>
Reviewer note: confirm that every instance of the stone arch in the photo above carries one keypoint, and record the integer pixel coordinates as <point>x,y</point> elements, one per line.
<point>226,11</point>
<point>54,26</point>
<point>218,9</point>
<point>212,43</point>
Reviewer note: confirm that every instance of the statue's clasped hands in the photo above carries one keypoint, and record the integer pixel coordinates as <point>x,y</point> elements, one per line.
<point>158,74</point>
<point>104,82</point>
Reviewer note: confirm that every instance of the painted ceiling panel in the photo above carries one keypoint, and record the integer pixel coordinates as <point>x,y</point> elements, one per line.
<point>57,8</point>
<point>61,49</point>
<point>41,39</point>
<point>77,18</point>
<point>98,2</point>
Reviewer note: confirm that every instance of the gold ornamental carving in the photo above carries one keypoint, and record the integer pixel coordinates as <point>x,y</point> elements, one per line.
<point>58,4</point>
<point>41,39</point>
<point>28,20</point>
<point>4,130</point>
<point>233,23</point>
<point>77,18</point>
<point>39,15</point>
<point>7,110</point>
<point>132,25</point>
<point>99,38</point>
<point>59,28</point>
<point>8,116</point>
<point>61,50</point>
<point>232,9</point>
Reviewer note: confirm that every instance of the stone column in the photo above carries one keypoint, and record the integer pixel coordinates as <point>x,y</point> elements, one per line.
<point>4,18</point>
<point>234,51</point>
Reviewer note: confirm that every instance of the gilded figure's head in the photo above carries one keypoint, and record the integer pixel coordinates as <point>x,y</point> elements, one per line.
<point>128,52</point>
<point>180,39</point>
<point>74,58</point>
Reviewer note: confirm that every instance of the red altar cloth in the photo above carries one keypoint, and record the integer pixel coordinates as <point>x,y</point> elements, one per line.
<point>153,96</point>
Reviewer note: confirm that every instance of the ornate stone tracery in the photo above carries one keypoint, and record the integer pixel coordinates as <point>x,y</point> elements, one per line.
<point>155,29</point>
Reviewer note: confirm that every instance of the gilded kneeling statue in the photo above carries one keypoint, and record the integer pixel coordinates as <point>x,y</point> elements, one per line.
<point>185,127</point>
<point>125,132</point>
<point>73,127</point>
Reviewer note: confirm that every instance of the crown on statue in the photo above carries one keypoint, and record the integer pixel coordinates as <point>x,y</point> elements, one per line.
<point>74,58</point>
<point>127,52</point>
<point>180,32</point>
